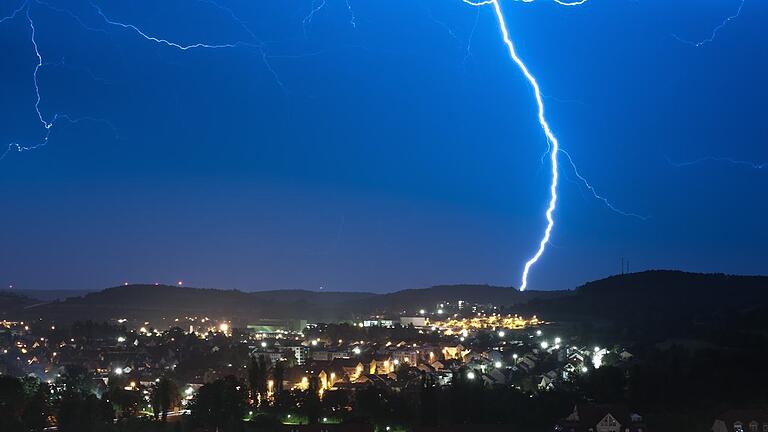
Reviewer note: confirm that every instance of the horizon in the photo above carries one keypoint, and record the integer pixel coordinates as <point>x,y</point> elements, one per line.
<point>363,291</point>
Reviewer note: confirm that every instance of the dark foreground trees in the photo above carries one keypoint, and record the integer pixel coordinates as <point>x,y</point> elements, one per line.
<point>220,405</point>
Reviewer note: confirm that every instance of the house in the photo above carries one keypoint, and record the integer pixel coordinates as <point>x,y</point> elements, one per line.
<point>458,352</point>
<point>742,420</point>
<point>601,418</point>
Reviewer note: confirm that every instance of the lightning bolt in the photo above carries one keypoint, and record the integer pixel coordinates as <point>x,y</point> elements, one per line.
<point>48,125</point>
<point>714,31</point>
<point>313,10</point>
<point>163,41</point>
<point>551,138</point>
<point>352,16</point>
<point>554,146</point>
<point>732,161</point>
<point>594,193</point>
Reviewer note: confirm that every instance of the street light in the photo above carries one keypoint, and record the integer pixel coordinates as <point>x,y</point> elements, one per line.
<point>471,375</point>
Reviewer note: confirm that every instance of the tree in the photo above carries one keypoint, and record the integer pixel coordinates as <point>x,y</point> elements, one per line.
<point>78,379</point>
<point>257,378</point>
<point>83,413</point>
<point>220,404</point>
<point>11,403</point>
<point>165,395</point>
<point>279,375</point>
<point>37,409</point>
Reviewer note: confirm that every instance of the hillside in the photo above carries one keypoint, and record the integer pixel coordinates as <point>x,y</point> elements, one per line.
<point>659,302</point>
<point>153,301</point>
<point>640,300</point>
<point>11,303</point>
<point>46,295</point>
<point>428,298</point>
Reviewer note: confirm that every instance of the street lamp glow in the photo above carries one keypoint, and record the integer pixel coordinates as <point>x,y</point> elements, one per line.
<point>514,356</point>
<point>545,345</point>
<point>497,365</point>
<point>120,339</point>
<point>118,371</point>
<point>597,349</point>
<point>471,375</point>
<point>224,327</point>
<point>558,340</point>
<point>356,350</point>
<point>439,311</point>
<point>538,332</point>
<point>189,391</point>
<point>502,334</point>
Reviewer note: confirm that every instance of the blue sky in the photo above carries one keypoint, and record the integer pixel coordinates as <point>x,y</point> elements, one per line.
<point>396,150</point>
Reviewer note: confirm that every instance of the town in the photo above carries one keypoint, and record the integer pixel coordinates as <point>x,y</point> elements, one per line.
<point>381,372</point>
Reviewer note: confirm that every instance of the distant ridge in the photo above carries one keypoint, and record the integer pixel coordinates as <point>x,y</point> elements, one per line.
<point>622,298</point>
<point>659,301</point>
<point>46,295</point>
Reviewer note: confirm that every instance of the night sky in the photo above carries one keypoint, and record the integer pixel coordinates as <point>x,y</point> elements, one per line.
<point>396,149</point>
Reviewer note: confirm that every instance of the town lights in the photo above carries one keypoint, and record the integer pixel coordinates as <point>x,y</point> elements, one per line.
<point>118,371</point>
<point>356,350</point>
<point>422,311</point>
<point>263,344</point>
<point>470,375</point>
<point>544,345</point>
<point>502,334</point>
<point>558,340</point>
<point>189,391</point>
<point>538,332</point>
<point>224,327</point>
<point>120,339</point>
<point>497,365</point>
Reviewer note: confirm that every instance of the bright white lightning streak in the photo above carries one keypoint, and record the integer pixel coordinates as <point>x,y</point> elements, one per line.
<point>714,31</point>
<point>551,138</point>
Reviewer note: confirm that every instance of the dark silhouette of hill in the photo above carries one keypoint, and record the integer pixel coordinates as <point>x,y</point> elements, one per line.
<point>174,301</point>
<point>659,303</point>
<point>47,295</point>
<point>640,300</point>
<point>11,303</point>
<point>428,298</point>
